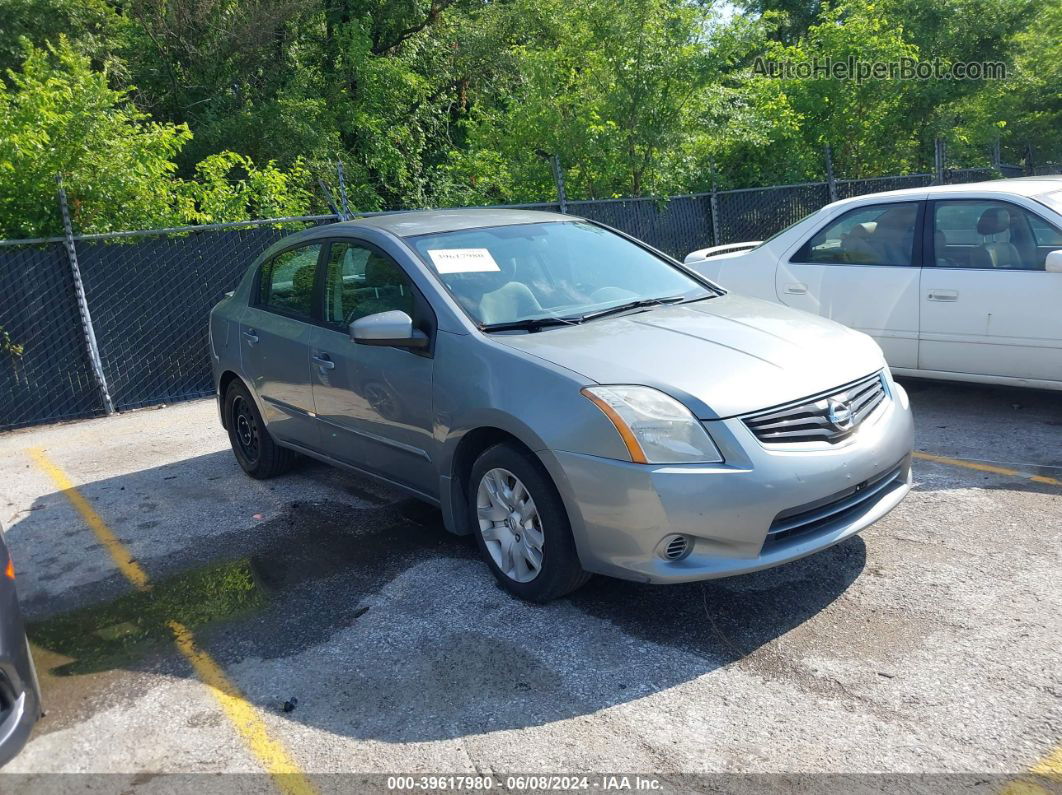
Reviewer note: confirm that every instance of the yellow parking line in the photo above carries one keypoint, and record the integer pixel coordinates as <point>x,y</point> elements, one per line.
<point>240,712</point>
<point>122,559</point>
<point>980,466</point>
<point>242,715</point>
<point>1050,767</point>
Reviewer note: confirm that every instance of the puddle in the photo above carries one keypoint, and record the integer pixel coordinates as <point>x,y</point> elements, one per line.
<point>311,541</point>
<point>116,633</point>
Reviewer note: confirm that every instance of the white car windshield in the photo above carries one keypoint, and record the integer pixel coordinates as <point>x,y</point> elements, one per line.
<point>551,273</point>
<point>1052,200</point>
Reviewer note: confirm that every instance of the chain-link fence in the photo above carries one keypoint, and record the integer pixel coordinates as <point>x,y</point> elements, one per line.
<point>149,293</point>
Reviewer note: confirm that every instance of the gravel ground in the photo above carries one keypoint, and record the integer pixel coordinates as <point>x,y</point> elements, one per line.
<point>928,645</point>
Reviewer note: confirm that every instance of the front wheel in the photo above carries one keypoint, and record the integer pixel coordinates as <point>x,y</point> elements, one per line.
<point>521,526</point>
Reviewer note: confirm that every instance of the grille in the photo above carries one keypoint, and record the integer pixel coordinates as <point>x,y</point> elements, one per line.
<point>808,518</point>
<point>831,417</point>
<point>676,548</point>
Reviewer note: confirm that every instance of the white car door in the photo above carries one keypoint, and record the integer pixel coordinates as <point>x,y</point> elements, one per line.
<point>862,269</point>
<point>988,307</point>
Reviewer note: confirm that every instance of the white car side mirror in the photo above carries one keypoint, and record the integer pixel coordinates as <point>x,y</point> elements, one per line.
<point>1054,262</point>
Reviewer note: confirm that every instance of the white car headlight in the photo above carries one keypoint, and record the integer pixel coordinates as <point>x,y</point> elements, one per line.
<point>655,427</point>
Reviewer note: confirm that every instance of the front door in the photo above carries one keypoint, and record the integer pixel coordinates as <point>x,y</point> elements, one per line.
<point>988,307</point>
<point>275,343</point>
<point>861,270</point>
<point>374,404</point>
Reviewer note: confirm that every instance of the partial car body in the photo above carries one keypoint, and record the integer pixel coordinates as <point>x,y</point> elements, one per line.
<point>959,282</point>
<point>20,697</point>
<point>576,400</point>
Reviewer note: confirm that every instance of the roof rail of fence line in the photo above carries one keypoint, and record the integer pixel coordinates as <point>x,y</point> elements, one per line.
<point>893,176</point>
<point>818,184</point>
<point>172,230</point>
<point>702,195</point>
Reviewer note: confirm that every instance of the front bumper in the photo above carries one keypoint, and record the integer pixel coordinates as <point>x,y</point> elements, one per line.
<point>20,695</point>
<point>16,723</point>
<point>731,513</point>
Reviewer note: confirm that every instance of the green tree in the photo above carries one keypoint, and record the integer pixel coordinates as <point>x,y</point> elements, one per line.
<point>59,116</point>
<point>607,87</point>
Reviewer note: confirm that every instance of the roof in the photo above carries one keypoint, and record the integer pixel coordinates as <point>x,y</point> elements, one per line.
<point>1020,186</point>
<point>425,222</point>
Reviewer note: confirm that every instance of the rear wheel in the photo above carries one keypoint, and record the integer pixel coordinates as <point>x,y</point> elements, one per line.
<point>521,526</point>
<point>257,453</point>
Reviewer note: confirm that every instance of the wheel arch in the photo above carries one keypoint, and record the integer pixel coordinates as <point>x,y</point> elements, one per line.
<point>226,378</point>
<point>455,485</point>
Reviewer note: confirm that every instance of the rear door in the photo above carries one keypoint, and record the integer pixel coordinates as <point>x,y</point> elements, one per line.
<point>275,333</point>
<point>988,307</point>
<point>861,269</point>
<point>374,403</point>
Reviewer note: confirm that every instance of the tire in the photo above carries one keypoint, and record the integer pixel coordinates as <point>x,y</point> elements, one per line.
<point>258,455</point>
<point>514,533</point>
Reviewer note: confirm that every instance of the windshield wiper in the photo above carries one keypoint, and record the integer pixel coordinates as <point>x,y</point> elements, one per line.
<point>530,324</point>
<point>639,304</point>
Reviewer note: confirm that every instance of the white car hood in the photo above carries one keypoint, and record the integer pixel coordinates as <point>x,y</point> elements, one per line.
<point>721,357</point>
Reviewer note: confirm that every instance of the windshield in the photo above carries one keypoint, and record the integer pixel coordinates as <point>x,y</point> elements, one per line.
<point>1052,200</point>
<point>525,272</point>
<point>783,230</point>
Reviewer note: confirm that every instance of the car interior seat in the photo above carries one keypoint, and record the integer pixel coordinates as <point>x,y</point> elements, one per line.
<point>894,235</point>
<point>511,301</point>
<point>856,247</point>
<point>383,290</point>
<point>995,253</point>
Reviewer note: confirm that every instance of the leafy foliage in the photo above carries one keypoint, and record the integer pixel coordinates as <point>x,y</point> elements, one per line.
<point>157,111</point>
<point>60,116</point>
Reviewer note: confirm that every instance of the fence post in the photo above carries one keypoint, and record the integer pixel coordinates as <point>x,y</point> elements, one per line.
<point>830,181</point>
<point>82,304</point>
<point>940,156</point>
<point>343,191</point>
<point>330,199</point>
<point>713,203</point>
<point>558,178</point>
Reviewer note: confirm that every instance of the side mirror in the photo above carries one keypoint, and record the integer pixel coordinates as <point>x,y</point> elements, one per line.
<point>393,329</point>
<point>1054,262</point>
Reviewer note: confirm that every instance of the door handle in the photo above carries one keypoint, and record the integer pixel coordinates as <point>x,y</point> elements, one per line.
<point>943,295</point>
<point>251,335</point>
<point>324,361</point>
<point>796,289</point>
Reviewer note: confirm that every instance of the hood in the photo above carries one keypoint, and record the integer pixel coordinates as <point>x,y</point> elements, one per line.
<point>721,357</point>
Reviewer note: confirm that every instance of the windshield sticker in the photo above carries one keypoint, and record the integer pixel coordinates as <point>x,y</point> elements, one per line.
<point>463,260</point>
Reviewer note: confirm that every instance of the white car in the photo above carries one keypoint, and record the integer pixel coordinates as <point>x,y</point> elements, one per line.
<point>958,282</point>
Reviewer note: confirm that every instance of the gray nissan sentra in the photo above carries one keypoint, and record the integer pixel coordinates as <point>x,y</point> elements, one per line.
<point>576,400</point>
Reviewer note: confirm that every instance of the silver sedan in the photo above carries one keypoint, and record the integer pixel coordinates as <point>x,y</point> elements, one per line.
<point>578,401</point>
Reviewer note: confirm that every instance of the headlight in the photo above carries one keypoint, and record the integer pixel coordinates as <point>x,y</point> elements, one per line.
<point>655,427</point>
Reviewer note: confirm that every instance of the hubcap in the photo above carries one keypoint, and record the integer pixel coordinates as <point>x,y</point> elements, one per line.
<point>510,525</point>
<point>246,428</point>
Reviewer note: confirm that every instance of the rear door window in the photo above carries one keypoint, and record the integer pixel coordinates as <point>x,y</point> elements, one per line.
<point>286,282</point>
<point>986,234</point>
